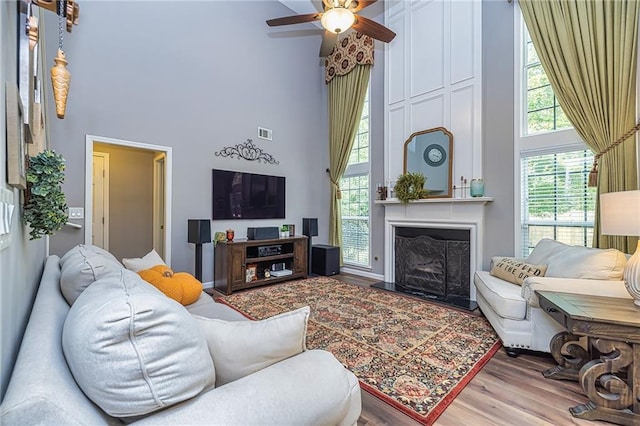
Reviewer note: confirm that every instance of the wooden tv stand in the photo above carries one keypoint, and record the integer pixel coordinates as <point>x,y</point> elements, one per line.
<point>232,259</point>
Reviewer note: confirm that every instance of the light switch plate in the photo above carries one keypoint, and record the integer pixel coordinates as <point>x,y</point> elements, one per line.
<point>76,212</point>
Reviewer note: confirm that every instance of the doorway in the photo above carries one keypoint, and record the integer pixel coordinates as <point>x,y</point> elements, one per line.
<point>139,188</point>
<point>100,201</point>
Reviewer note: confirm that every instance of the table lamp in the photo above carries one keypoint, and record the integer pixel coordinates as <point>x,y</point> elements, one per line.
<point>199,232</point>
<point>620,215</point>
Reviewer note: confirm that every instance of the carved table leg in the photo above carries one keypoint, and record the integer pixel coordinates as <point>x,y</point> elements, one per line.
<point>570,354</point>
<point>611,398</point>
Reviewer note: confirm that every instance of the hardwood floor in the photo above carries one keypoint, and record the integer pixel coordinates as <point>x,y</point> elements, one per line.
<point>507,391</point>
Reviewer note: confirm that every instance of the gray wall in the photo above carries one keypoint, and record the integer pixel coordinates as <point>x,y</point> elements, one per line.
<point>197,78</point>
<point>21,263</point>
<point>498,127</point>
<point>130,200</point>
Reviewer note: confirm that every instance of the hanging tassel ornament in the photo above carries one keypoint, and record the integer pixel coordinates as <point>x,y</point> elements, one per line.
<point>60,75</point>
<point>593,174</point>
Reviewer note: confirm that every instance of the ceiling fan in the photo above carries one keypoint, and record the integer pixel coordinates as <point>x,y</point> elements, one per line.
<point>338,16</point>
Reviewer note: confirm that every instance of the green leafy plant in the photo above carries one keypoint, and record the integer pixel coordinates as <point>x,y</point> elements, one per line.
<point>46,208</point>
<point>284,228</point>
<point>410,186</point>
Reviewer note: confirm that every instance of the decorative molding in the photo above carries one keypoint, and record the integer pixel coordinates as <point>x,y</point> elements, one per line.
<point>248,151</point>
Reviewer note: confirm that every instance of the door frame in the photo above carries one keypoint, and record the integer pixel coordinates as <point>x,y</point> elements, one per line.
<point>88,193</point>
<point>105,156</point>
<point>160,158</point>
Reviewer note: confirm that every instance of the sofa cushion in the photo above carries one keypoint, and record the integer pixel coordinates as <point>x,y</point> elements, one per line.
<point>239,348</point>
<point>565,261</point>
<point>82,266</point>
<point>148,261</point>
<point>132,350</point>
<point>515,270</point>
<point>504,297</point>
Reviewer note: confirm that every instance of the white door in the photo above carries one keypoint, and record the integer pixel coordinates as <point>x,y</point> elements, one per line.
<point>100,202</point>
<point>159,217</point>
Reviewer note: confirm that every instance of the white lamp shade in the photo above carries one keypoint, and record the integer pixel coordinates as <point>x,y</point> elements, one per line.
<point>337,20</point>
<point>620,213</point>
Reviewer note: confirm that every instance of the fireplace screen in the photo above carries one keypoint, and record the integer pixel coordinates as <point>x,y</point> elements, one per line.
<point>433,265</point>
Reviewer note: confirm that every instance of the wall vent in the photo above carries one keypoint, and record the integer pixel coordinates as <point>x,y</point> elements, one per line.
<point>265,133</point>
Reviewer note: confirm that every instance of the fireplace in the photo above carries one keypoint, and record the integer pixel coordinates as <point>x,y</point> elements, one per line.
<point>433,263</point>
<point>443,270</point>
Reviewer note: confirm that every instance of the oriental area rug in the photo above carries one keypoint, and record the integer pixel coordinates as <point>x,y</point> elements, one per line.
<point>414,355</point>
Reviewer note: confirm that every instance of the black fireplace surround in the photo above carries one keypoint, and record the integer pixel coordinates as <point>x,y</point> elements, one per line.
<point>434,264</point>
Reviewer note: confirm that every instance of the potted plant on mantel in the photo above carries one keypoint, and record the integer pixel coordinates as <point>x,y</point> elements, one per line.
<point>410,186</point>
<point>45,207</point>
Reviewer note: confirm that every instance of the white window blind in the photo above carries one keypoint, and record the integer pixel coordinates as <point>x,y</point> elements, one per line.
<point>556,200</point>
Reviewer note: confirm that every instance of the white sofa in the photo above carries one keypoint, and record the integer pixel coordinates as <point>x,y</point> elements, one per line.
<point>514,311</point>
<point>152,360</point>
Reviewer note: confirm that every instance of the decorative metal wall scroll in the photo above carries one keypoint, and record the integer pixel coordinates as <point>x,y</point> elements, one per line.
<point>248,151</point>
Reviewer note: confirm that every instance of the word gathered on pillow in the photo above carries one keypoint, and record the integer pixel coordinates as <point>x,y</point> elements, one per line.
<point>516,271</point>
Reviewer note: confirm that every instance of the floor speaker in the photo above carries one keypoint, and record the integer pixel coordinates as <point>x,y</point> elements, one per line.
<point>325,260</point>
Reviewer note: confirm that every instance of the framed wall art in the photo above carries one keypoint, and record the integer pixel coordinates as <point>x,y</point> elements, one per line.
<point>16,135</point>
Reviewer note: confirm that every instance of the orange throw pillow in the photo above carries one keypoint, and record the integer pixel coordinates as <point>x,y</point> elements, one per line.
<point>180,286</point>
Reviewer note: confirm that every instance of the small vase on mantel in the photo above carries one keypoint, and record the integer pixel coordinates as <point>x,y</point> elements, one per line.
<point>60,79</point>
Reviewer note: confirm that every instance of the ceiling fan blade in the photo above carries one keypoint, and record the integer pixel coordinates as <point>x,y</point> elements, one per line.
<point>329,40</point>
<point>373,29</point>
<point>361,4</point>
<point>295,19</point>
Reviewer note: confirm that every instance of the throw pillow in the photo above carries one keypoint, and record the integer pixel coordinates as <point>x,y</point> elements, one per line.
<point>239,348</point>
<point>132,350</point>
<point>180,286</point>
<point>516,271</point>
<point>82,266</point>
<point>149,260</point>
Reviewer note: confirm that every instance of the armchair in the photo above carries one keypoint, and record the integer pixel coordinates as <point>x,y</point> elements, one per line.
<point>514,310</point>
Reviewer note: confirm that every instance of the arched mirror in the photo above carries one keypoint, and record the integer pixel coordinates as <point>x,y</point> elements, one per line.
<point>430,152</point>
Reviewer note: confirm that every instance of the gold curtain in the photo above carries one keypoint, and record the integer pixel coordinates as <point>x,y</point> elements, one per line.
<point>588,50</point>
<point>346,100</point>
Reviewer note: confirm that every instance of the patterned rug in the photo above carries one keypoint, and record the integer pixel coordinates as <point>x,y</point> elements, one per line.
<point>415,355</point>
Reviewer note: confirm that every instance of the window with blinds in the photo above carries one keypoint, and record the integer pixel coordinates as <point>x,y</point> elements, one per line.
<point>556,200</point>
<point>354,205</point>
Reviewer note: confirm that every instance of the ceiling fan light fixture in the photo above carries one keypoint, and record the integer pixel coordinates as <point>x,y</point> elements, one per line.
<point>337,20</point>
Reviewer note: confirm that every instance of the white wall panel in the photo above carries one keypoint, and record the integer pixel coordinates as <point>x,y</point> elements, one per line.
<point>434,76</point>
<point>396,137</point>
<point>427,58</point>
<point>427,113</point>
<point>462,125</point>
<point>462,45</point>
<point>396,61</point>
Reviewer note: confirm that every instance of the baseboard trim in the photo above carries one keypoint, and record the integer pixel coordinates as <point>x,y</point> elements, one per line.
<point>208,284</point>
<point>361,273</point>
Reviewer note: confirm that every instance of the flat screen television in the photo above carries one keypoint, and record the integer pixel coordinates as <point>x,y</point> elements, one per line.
<point>239,195</point>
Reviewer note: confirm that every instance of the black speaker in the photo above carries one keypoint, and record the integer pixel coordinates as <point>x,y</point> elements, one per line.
<point>326,260</point>
<point>199,231</point>
<point>263,233</point>
<point>310,227</point>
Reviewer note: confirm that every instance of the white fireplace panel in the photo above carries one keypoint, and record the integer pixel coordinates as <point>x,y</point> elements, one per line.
<point>396,61</point>
<point>462,43</point>
<point>427,69</point>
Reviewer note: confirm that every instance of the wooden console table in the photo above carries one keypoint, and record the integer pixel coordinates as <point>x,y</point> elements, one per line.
<point>608,364</point>
<point>232,259</point>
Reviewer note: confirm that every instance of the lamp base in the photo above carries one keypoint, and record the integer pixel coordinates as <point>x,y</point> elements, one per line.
<point>632,276</point>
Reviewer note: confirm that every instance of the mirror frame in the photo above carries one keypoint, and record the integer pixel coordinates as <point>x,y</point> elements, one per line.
<point>449,162</point>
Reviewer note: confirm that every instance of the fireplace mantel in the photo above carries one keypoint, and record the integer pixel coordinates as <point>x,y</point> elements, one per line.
<point>446,213</point>
<point>481,200</point>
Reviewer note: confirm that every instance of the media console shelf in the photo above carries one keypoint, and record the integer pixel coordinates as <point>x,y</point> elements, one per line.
<point>233,259</point>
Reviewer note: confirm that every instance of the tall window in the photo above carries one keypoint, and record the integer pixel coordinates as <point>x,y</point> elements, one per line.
<point>543,112</point>
<point>355,197</point>
<point>556,201</point>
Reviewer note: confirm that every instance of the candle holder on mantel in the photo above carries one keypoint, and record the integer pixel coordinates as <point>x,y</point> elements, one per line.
<point>463,188</point>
